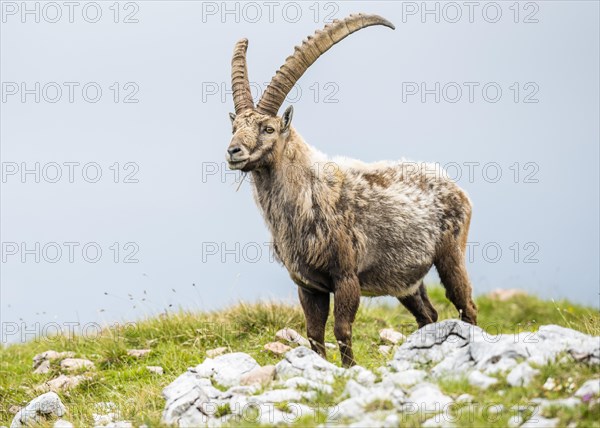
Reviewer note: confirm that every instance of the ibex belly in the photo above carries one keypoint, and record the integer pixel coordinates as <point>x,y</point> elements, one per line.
<point>397,283</point>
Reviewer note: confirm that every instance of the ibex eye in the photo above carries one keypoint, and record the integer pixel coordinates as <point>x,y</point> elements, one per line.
<point>269,130</point>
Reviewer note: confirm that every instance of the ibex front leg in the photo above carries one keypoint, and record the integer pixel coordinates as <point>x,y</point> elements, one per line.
<point>346,300</point>
<point>316,310</point>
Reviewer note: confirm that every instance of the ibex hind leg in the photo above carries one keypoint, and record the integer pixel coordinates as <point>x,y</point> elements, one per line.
<point>420,306</point>
<point>432,312</point>
<point>451,266</point>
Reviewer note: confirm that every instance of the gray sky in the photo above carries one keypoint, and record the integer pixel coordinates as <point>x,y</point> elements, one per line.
<point>506,98</point>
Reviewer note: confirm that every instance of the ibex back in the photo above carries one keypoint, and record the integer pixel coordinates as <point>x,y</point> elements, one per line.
<point>342,226</point>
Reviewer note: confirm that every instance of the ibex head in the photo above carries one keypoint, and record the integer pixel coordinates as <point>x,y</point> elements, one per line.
<point>258,133</point>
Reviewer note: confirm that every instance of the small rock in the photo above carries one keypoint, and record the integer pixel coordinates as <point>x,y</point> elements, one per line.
<point>354,389</point>
<point>391,421</point>
<point>277,348</point>
<point>521,375</point>
<point>361,375</point>
<point>107,415</point>
<point>300,382</point>
<point>43,368</point>
<point>438,421</point>
<point>478,379</point>
<point>243,390</point>
<point>73,364</point>
<point>352,408</point>
<point>464,398</point>
<point>50,355</point>
<point>279,395</point>
<point>391,336</point>
<point>212,353</point>
<point>259,376</point>
<point>544,404</point>
<point>306,363</point>
<point>14,409</point>
<point>62,423</point>
<point>63,383</point>
<point>503,295</point>
<point>138,353</point>
<point>155,369</point>
<point>407,377</point>
<point>226,369</point>
<point>330,345</point>
<point>429,398</point>
<point>274,417</point>
<point>589,388</point>
<point>120,424</point>
<point>38,409</point>
<point>101,420</point>
<point>539,421</point>
<point>292,336</point>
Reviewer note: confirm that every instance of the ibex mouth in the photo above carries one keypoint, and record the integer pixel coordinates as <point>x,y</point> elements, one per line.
<point>238,164</point>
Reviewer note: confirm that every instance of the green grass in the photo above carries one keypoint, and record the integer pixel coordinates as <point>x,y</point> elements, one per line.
<point>180,340</point>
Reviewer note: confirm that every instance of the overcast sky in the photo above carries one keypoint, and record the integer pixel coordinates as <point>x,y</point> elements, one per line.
<point>115,126</point>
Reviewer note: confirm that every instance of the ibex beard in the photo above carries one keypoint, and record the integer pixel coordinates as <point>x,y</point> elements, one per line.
<point>354,229</point>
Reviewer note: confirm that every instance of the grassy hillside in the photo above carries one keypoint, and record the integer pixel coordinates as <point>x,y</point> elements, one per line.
<point>180,340</point>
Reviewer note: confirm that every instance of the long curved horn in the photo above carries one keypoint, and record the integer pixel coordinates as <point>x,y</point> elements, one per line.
<point>306,54</point>
<point>240,85</point>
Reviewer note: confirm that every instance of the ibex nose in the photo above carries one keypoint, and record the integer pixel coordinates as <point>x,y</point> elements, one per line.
<point>233,150</point>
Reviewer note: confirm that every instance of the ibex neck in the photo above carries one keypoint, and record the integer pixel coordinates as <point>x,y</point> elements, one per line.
<point>293,185</point>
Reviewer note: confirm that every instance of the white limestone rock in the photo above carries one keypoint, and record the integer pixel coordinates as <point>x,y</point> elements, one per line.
<point>361,375</point>
<point>212,353</point>
<point>76,364</point>
<point>521,375</point>
<point>306,363</point>
<point>292,336</point>
<point>537,421</point>
<point>138,353</point>
<point>392,336</point>
<point>277,348</point>
<point>38,410</point>
<point>456,348</point>
<point>589,388</point>
<point>50,355</point>
<point>478,379</point>
<point>258,376</point>
<point>155,369</point>
<point>428,398</point>
<point>406,378</point>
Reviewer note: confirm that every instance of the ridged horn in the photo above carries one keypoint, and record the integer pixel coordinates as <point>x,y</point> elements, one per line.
<point>306,54</point>
<point>240,85</point>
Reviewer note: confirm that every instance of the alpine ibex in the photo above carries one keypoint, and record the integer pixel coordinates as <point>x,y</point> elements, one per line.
<point>370,229</point>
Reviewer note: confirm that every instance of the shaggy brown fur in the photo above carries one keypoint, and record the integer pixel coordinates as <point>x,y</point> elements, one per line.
<point>345,227</point>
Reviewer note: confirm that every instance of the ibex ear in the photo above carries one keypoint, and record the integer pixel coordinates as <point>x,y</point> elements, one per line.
<point>286,119</point>
<point>232,117</point>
